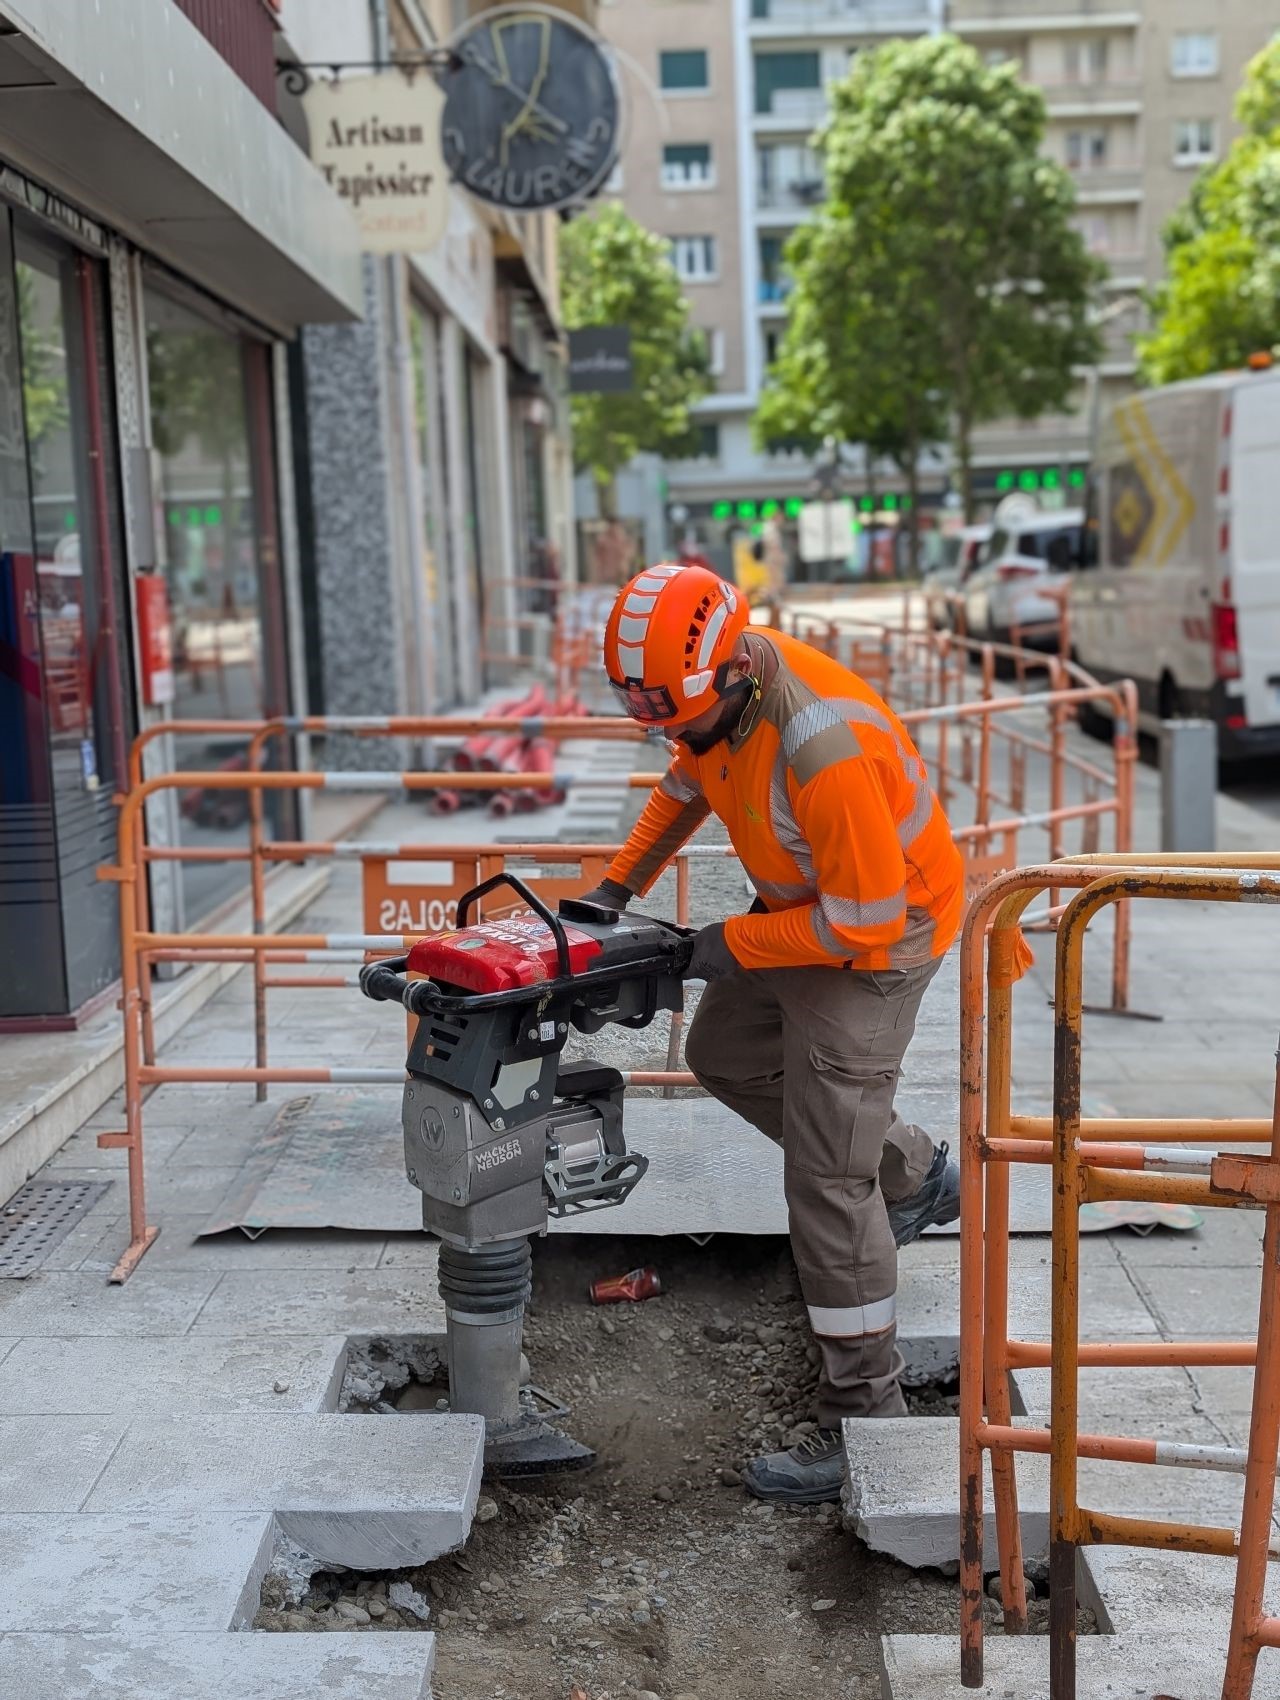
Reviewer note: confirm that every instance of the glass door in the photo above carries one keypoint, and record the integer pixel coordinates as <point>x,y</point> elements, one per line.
<point>63,658</point>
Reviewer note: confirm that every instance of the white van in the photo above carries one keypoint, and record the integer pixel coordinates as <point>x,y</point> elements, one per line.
<point>1178,586</point>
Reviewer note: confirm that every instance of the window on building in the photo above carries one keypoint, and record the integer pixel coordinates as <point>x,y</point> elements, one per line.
<point>1195,53</point>
<point>687,165</point>
<point>1096,230</point>
<point>1086,149</point>
<point>694,258</point>
<point>772,345</point>
<point>683,70</point>
<point>788,84</point>
<point>708,442</point>
<point>1087,61</point>
<point>775,284</point>
<point>712,342</point>
<point>788,174</point>
<point>1195,140</point>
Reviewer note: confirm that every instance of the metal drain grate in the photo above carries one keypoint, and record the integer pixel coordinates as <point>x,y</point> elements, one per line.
<point>38,1217</point>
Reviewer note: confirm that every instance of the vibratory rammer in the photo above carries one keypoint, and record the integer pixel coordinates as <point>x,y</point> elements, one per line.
<point>500,1135</point>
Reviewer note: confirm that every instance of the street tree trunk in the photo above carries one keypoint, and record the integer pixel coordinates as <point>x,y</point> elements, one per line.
<point>606,494</point>
<point>912,470</point>
<point>964,459</point>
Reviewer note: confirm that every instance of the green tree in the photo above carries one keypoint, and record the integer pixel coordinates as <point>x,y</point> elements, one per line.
<point>848,368</point>
<point>948,259</point>
<point>615,272</point>
<point>1220,301</point>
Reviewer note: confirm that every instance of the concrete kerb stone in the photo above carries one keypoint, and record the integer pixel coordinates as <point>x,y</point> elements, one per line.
<point>217,1667</point>
<point>1120,1667</point>
<point>1139,1590</point>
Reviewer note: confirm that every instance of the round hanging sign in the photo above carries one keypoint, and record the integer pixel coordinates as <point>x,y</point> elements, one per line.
<point>532,114</point>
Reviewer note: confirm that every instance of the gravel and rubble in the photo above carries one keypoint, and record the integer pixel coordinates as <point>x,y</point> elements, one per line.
<point>653,1573</point>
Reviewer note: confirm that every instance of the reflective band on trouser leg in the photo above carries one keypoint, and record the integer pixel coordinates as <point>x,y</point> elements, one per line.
<point>852,1321</point>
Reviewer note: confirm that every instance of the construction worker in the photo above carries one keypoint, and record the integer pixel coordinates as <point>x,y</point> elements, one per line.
<point>811,997</point>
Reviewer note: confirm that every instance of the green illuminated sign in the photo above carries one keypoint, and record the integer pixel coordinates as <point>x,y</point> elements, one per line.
<point>746,510</point>
<point>1028,479</point>
<point>889,503</point>
<point>792,507</point>
<point>770,510</point>
<point>1077,477</point>
<point>722,510</point>
<point>1052,479</point>
<point>1004,481</point>
<point>867,504</point>
<point>213,515</point>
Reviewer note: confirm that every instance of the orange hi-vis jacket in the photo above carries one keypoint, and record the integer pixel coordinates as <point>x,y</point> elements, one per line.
<point>830,810</point>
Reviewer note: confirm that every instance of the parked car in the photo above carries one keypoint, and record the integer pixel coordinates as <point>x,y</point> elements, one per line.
<point>1008,589</point>
<point>1182,592</point>
<point>962,555</point>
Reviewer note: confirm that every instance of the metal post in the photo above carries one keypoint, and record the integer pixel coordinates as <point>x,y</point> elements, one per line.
<point>1188,784</point>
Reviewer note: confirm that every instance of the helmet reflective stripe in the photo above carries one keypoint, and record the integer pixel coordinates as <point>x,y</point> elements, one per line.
<point>714,626</point>
<point>656,577</point>
<point>632,630</point>
<point>729,596</point>
<point>631,660</point>
<point>636,604</point>
<point>696,683</point>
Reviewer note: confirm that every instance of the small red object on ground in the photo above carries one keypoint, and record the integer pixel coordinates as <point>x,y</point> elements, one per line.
<point>630,1288</point>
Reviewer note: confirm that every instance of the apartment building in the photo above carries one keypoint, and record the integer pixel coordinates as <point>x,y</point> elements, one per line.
<point>727,95</point>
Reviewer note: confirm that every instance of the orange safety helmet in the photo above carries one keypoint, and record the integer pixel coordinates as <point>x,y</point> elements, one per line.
<point>668,642</point>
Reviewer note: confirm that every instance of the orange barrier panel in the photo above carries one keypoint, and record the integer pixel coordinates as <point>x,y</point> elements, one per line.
<point>1094,1158</point>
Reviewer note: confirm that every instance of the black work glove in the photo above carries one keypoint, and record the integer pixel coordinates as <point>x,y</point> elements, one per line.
<point>608,894</point>
<point>712,959</point>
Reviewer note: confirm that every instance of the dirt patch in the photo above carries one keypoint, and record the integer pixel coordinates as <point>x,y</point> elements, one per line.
<point>653,1573</point>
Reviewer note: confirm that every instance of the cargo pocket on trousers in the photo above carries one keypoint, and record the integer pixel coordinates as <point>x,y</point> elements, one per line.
<point>845,1108</point>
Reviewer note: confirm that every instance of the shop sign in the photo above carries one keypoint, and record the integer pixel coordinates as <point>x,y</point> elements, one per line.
<point>376,140</point>
<point>600,360</point>
<point>532,112</point>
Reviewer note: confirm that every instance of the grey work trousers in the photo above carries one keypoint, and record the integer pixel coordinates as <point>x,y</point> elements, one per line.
<point>811,1057</point>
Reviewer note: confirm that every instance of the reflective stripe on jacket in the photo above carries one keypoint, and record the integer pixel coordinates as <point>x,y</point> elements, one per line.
<point>829,807</point>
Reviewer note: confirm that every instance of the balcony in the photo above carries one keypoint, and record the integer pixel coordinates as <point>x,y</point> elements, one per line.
<point>788,203</point>
<point>999,17</point>
<point>797,111</point>
<point>1105,185</point>
<point>842,17</point>
<point>1116,97</point>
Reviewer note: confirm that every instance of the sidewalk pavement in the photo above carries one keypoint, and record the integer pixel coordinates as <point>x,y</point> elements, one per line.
<point>157,1441</point>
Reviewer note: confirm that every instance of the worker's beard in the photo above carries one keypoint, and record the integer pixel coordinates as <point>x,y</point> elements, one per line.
<point>732,704</point>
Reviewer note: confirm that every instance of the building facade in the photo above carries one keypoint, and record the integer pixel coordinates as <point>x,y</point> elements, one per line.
<point>161,240</point>
<point>1138,97</point>
<point>332,473</point>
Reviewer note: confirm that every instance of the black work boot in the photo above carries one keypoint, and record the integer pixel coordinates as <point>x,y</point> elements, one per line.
<point>809,1474</point>
<point>935,1201</point>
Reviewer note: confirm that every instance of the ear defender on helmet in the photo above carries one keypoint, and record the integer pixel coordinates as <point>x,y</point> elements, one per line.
<point>669,640</point>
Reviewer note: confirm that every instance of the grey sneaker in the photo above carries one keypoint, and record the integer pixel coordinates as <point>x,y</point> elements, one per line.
<point>808,1474</point>
<point>935,1201</point>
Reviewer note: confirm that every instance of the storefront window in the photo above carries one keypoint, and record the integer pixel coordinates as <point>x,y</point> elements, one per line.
<point>63,715</point>
<point>221,563</point>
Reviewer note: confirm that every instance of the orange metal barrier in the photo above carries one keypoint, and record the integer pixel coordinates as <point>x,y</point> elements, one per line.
<point>988,843</point>
<point>1093,1159</point>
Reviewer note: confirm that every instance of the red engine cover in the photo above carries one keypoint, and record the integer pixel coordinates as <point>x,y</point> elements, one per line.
<point>498,956</point>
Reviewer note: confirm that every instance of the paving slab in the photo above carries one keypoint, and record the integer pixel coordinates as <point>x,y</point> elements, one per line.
<point>80,1574</point>
<point>217,1667</point>
<point>369,1492</point>
<point>1127,1667</point>
<point>1136,1590</point>
<point>1122,1401</point>
<point>182,1245</point>
<point>294,1301</point>
<point>212,1373</point>
<point>50,1463</point>
<point>71,1303</point>
<point>902,1495</point>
